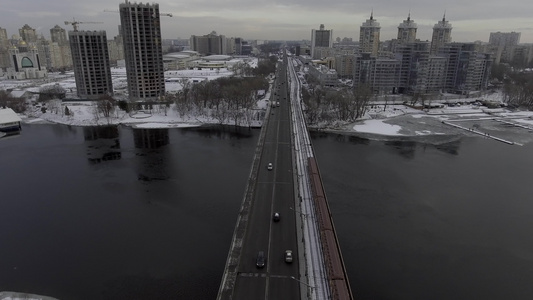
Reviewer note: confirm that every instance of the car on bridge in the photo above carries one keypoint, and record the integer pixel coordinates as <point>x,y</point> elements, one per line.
<point>260,260</point>
<point>288,256</point>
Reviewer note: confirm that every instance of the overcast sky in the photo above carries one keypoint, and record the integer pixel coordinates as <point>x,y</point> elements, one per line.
<point>282,20</point>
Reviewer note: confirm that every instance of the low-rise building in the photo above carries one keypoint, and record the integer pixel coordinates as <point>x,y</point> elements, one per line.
<point>325,75</point>
<point>9,121</point>
<point>180,60</point>
<point>25,64</point>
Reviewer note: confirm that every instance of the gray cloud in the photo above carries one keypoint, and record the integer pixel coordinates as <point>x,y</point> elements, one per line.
<point>291,19</point>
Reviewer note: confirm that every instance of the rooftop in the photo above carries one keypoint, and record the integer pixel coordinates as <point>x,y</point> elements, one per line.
<point>7,115</point>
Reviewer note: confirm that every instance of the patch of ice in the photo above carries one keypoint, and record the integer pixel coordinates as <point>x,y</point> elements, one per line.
<point>164,125</point>
<point>377,127</point>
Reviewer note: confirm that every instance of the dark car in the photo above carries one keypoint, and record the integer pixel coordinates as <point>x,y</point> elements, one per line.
<point>260,260</point>
<point>275,217</point>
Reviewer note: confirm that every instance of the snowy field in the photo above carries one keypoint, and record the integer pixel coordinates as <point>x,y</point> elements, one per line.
<point>22,296</point>
<point>399,122</point>
<point>384,118</point>
<point>84,113</point>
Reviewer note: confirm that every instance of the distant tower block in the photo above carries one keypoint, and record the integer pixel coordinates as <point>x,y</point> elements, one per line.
<point>407,31</point>
<point>90,58</point>
<point>442,34</point>
<point>141,31</point>
<point>369,36</point>
<point>321,38</point>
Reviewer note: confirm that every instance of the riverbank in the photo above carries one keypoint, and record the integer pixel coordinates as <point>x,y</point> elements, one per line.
<point>392,122</point>
<point>22,296</point>
<point>431,126</point>
<point>389,120</point>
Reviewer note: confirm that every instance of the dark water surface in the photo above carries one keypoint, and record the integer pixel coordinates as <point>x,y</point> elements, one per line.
<point>118,213</point>
<point>416,221</point>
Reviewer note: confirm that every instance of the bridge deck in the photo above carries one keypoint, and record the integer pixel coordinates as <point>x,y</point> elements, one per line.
<point>317,270</point>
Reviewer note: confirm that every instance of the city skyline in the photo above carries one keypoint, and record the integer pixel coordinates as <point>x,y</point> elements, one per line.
<point>288,20</point>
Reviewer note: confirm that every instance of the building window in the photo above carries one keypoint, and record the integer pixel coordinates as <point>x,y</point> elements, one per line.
<point>26,62</point>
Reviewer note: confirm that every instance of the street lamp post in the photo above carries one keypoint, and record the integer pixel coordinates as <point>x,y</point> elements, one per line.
<point>304,283</point>
<point>301,213</point>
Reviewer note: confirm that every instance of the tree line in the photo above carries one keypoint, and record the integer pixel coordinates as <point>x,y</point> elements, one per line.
<point>518,89</point>
<point>324,105</point>
<point>226,99</point>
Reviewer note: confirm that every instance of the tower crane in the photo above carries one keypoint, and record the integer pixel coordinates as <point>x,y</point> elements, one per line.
<point>75,23</point>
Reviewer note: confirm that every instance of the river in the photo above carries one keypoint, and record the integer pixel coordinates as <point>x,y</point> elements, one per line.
<point>122,213</point>
<point>418,221</point>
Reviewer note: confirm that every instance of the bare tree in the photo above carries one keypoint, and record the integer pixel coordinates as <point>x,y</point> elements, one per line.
<point>221,113</point>
<point>49,92</point>
<point>16,104</point>
<point>518,90</point>
<point>54,106</point>
<point>105,105</point>
<point>362,95</point>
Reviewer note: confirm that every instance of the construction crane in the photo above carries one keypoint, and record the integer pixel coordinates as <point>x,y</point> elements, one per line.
<point>75,23</point>
<point>161,14</point>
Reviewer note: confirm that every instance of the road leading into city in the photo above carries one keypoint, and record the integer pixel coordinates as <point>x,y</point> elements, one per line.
<point>274,193</point>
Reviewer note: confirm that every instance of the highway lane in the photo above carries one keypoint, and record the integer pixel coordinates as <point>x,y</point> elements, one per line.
<point>274,192</point>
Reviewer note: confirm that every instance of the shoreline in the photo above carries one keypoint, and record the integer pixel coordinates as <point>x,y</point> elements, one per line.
<point>409,125</point>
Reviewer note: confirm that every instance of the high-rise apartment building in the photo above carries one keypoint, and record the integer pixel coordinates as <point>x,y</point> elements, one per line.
<point>381,75</point>
<point>522,55</point>
<point>502,45</point>
<point>116,47</point>
<point>407,31</point>
<point>369,36</point>
<point>90,58</point>
<point>58,35</point>
<point>209,44</point>
<point>4,46</point>
<point>467,69</point>
<point>321,38</point>
<point>28,34</point>
<point>344,64</point>
<point>436,74</point>
<point>4,40</point>
<point>442,34</point>
<point>141,32</point>
<point>414,58</point>
<point>57,52</point>
<point>504,39</point>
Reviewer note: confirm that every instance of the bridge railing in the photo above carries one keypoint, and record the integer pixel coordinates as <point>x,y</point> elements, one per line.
<point>326,270</point>
<point>315,275</point>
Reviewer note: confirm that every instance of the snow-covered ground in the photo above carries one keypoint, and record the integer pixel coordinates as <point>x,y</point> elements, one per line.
<point>84,113</point>
<point>434,125</point>
<point>22,296</point>
<point>383,118</point>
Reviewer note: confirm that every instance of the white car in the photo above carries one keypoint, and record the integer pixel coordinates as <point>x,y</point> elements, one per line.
<point>270,167</point>
<point>288,256</point>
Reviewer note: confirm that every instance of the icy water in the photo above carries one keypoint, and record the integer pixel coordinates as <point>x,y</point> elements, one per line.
<point>118,213</point>
<point>416,221</point>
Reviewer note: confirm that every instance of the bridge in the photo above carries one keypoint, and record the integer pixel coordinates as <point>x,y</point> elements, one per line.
<point>284,181</point>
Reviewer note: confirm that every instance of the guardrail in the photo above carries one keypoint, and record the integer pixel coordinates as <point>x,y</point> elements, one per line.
<point>325,268</point>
